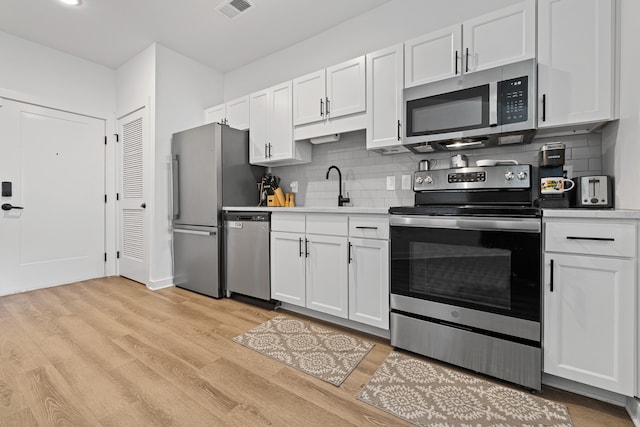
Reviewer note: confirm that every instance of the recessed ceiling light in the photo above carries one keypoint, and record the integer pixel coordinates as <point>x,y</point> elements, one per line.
<point>71,2</point>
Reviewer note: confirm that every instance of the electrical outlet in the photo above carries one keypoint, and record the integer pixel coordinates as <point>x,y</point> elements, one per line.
<point>391,183</point>
<point>406,182</point>
<point>294,186</point>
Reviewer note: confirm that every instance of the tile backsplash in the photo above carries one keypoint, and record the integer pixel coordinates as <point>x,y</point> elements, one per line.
<point>364,173</point>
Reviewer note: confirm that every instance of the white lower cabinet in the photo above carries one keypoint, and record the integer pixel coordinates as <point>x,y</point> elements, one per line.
<point>332,263</point>
<point>369,281</point>
<point>589,304</point>
<point>327,274</point>
<point>288,267</point>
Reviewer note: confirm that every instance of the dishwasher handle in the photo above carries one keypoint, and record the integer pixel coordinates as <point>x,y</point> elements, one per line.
<point>196,232</point>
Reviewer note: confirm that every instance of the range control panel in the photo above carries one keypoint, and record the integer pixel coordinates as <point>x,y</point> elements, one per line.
<point>490,177</point>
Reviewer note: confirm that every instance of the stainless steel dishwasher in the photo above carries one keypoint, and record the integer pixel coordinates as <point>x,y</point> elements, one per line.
<point>246,254</point>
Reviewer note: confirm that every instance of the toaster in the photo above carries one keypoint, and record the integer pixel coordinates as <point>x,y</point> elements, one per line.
<point>594,191</point>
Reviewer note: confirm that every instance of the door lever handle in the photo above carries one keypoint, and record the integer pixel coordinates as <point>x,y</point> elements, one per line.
<point>8,207</point>
<point>143,205</point>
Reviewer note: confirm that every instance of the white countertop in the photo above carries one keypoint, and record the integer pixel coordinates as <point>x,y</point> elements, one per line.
<point>591,213</point>
<point>547,213</point>
<point>310,209</point>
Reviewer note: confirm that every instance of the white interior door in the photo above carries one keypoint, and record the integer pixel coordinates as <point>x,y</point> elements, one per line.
<point>55,164</point>
<point>133,131</point>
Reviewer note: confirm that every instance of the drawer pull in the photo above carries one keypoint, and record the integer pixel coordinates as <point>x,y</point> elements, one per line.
<point>598,239</point>
<point>362,227</point>
<point>551,276</point>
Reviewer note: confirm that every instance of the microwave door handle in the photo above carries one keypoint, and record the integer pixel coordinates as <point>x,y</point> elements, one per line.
<point>493,104</point>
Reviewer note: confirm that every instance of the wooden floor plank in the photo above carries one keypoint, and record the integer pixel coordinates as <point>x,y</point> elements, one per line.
<point>110,352</point>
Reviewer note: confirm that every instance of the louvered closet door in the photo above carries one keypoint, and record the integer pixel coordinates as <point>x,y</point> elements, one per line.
<point>133,220</point>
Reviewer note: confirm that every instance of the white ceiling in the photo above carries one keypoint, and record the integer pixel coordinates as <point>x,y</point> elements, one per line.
<point>109,32</point>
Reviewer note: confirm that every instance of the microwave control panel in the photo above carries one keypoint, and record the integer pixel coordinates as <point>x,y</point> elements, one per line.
<point>514,100</point>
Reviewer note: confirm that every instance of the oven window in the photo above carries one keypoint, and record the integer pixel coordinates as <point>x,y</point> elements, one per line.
<point>495,271</point>
<point>454,111</point>
<point>466,274</point>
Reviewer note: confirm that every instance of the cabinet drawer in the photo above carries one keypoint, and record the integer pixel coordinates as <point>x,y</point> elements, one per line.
<point>592,238</point>
<point>291,222</point>
<point>369,226</point>
<point>331,224</point>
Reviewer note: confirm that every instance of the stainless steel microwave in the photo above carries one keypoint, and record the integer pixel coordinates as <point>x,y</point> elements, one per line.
<point>485,108</point>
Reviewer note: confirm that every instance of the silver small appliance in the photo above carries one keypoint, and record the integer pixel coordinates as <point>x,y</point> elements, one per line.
<point>594,192</point>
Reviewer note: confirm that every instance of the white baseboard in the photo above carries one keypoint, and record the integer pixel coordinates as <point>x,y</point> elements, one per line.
<point>633,408</point>
<point>584,390</point>
<point>337,320</point>
<point>155,285</point>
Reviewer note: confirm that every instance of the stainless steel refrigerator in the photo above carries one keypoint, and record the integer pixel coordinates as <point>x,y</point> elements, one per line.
<point>210,168</point>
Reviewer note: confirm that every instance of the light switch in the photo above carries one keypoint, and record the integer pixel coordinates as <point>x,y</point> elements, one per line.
<point>406,182</point>
<point>294,186</point>
<point>391,183</point>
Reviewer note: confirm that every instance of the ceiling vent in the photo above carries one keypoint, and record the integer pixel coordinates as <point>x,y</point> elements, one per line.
<point>234,8</point>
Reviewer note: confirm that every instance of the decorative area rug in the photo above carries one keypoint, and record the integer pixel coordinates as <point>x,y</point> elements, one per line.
<point>317,351</point>
<point>426,394</point>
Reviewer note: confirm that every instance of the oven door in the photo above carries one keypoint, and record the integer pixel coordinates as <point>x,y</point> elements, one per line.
<point>489,264</point>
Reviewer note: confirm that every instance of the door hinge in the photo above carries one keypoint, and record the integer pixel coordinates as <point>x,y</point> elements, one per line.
<point>118,255</point>
<point>105,257</point>
<point>117,196</point>
<point>105,140</point>
<point>117,137</point>
<point>105,198</point>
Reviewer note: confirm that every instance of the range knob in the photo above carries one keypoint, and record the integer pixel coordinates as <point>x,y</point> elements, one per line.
<point>522,175</point>
<point>428,179</point>
<point>509,175</point>
<point>419,180</point>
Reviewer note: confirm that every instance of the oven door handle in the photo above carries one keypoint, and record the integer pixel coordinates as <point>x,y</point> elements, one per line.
<point>527,225</point>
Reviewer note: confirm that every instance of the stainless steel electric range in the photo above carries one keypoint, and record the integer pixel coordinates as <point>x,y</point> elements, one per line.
<point>466,271</point>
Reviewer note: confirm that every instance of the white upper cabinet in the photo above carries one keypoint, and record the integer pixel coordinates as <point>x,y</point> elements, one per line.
<point>271,129</point>
<point>385,80</point>
<point>575,62</point>
<point>234,113</point>
<point>502,37</point>
<point>434,56</point>
<point>330,93</point>
<point>346,92</point>
<point>492,40</point>
<point>309,98</point>
<point>216,114</point>
<point>238,113</point>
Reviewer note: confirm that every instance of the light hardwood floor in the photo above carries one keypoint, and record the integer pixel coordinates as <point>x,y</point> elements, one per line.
<point>108,352</point>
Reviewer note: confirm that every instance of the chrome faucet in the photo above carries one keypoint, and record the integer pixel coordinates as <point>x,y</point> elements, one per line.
<point>341,200</point>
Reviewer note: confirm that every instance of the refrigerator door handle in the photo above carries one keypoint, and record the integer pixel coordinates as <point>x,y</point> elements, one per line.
<point>199,233</point>
<point>175,180</point>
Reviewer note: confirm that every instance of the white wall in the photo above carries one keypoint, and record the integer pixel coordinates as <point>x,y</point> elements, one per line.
<point>621,142</point>
<point>175,90</point>
<point>33,73</point>
<point>384,26</point>
<point>184,88</point>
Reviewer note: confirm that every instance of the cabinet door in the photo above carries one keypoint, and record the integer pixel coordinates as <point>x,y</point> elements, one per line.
<point>346,88</point>
<point>309,98</point>
<point>384,97</point>
<point>258,120</point>
<point>238,113</point>
<point>434,56</point>
<point>589,320</point>
<point>327,274</point>
<point>369,282</point>
<point>575,61</point>
<point>501,37</point>
<point>215,114</point>
<point>288,267</point>
<point>280,126</point>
